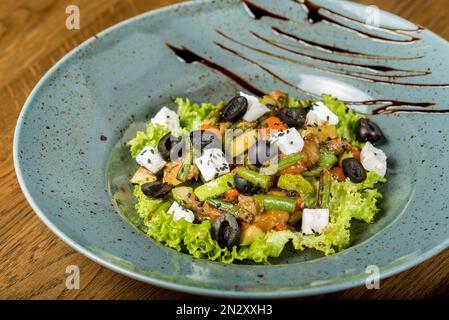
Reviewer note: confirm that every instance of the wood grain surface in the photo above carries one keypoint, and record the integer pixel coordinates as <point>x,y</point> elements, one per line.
<point>33,260</point>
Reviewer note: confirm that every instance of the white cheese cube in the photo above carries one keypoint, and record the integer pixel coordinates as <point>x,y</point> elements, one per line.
<point>150,159</point>
<point>212,164</point>
<point>166,118</point>
<point>288,141</point>
<point>255,108</point>
<point>320,114</point>
<point>373,159</point>
<point>180,212</point>
<point>314,220</point>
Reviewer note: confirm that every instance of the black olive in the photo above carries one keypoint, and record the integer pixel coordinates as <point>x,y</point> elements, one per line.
<point>354,170</point>
<point>293,117</point>
<point>234,109</point>
<point>205,139</point>
<point>156,189</point>
<point>225,230</point>
<point>246,187</point>
<point>166,144</point>
<point>368,131</point>
<point>261,152</point>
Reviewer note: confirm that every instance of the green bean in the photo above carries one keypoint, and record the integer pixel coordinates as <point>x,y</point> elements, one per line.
<point>236,211</point>
<point>185,168</point>
<point>324,189</point>
<point>289,160</point>
<point>215,187</point>
<point>254,177</point>
<point>275,202</point>
<point>295,182</point>
<point>327,161</point>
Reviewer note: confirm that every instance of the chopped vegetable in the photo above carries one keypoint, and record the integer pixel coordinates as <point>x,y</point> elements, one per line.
<point>274,123</point>
<point>238,212</point>
<point>324,189</point>
<point>215,187</point>
<point>271,219</point>
<point>250,233</point>
<point>337,174</point>
<point>231,194</point>
<point>142,175</point>
<point>327,161</point>
<point>186,197</point>
<point>185,167</point>
<point>324,132</point>
<point>254,177</point>
<point>295,182</point>
<point>269,202</point>
<point>289,160</point>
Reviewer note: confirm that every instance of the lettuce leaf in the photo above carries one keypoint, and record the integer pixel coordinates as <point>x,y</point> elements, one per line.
<point>191,114</point>
<point>298,103</point>
<point>196,239</point>
<point>348,201</point>
<point>347,119</point>
<point>146,206</point>
<point>150,138</point>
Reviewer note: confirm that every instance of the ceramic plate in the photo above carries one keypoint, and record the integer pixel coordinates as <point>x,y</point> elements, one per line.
<point>379,63</point>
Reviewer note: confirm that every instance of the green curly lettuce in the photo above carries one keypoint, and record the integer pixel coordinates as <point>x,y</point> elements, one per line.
<point>191,114</point>
<point>146,206</point>
<point>149,138</point>
<point>348,201</point>
<point>196,239</point>
<point>346,116</point>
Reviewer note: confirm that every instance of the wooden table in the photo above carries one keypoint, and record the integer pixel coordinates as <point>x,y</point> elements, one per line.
<point>33,260</point>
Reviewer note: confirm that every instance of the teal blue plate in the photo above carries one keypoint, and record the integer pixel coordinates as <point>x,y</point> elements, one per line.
<point>79,112</point>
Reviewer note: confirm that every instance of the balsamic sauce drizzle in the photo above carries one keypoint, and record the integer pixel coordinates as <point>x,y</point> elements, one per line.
<point>188,56</point>
<point>314,14</point>
<point>337,50</point>
<point>358,75</point>
<point>376,68</point>
<point>316,17</point>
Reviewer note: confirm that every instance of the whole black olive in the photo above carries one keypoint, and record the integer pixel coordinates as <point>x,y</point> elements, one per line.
<point>293,117</point>
<point>354,170</point>
<point>156,189</point>
<point>205,139</point>
<point>368,131</point>
<point>245,187</point>
<point>225,230</point>
<point>234,109</point>
<point>261,152</point>
<point>166,144</point>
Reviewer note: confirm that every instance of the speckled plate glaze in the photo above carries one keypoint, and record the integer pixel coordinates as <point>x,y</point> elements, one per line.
<point>208,50</point>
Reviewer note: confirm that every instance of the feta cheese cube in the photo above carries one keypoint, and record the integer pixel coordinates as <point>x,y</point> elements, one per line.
<point>212,164</point>
<point>150,159</point>
<point>180,212</point>
<point>255,108</point>
<point>320,114</point>
<point>373,159</point>
<point>314,220</point>
<point>166,118</point>
<point>288,141</point>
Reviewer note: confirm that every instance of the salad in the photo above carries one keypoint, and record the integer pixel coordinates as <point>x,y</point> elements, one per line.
<point>239,180</point>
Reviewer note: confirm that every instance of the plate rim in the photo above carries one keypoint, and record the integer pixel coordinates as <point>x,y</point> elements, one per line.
<point>290,293</point>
